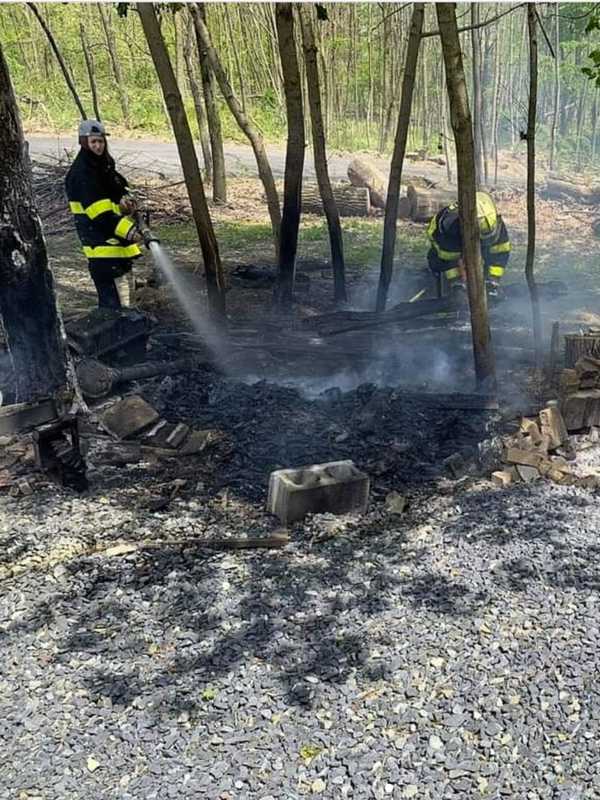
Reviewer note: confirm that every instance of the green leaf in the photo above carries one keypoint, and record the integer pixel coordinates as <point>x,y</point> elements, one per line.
<point>209,694</point>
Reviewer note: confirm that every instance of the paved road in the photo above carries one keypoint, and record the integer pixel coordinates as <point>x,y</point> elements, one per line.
<point>162,157</point>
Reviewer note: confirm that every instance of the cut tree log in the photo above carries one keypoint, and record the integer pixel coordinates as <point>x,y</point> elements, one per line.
<point>362,172</point>
<point>425,203</point>
<point>352,201</point>
<point>578,191</point>
<point>578,345</point>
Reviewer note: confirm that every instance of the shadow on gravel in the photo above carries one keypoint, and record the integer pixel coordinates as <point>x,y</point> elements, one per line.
<point>312,615</point>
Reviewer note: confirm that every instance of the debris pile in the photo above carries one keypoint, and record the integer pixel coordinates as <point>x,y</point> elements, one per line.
<point>542,448</point>
<point>133,418</point>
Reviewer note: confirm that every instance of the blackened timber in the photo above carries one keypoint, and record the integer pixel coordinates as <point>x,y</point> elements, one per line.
<point>343,321</point>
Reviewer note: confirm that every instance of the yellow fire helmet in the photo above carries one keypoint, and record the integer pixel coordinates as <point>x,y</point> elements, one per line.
<point>487,216</point>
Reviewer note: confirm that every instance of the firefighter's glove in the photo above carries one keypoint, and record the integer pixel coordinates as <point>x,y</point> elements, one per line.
<point>128,204</point>
<point>135,235</point>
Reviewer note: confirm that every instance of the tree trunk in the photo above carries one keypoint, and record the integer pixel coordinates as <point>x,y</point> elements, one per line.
<point>198,103</point>
<point>531,119</point>
<point>212,109</point>
<point>580,124</point>
<point>189,162</point>
<point>60,59</point>
<point>393,191</point>
<point>30,319</point>
<point>238,69</point>
<point>89,65</point>
<point>363,172</point>
<point>115,62</point>
<point>350,201</point>
<point>477,104</point>
<point>485,368</point>
<point>255,138</point>
<point>294,156</point>
<point>496,100</point>
<point>320,155</point>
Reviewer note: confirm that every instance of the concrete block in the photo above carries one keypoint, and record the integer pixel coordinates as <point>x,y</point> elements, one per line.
<point>128,417</point>
<point>336,488</point>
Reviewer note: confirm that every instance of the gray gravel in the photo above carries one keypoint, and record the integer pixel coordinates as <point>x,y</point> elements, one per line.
<point>450,652</point>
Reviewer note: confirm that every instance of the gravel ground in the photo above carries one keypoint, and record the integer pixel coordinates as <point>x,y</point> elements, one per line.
<point>448,652</point>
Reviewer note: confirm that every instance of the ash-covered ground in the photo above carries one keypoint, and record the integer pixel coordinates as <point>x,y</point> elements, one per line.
<point>449,651</point>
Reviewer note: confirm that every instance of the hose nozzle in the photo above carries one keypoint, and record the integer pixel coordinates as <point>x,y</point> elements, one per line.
<point>149,237</point>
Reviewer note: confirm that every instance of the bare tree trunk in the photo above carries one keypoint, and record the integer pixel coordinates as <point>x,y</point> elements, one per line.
<point>238,69</point>
<point>477,104</point>
<point>580,123</point>
<point>212,110</point>
<point>496,100</point>
<point>294,156</point>
<point>60,59</point>
<point>198,103</point>
<point>30,318</point>
<point>115,62</point>
<point>445,125</point>
<point>189,162</point>
<point>255,138</point>
<point>531,119</point>
<point>320,154</point>
<point>485,367</point>
<point>554,126</point>
<point>393,192</point>
<point>89,65</point>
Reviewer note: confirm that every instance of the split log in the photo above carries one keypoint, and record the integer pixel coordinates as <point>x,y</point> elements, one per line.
<point>578,345</point>
<point>352,201</point>
<point>578,191</point>
<point>425,203</point>
<point>363,173</point>
<point>274,542</point>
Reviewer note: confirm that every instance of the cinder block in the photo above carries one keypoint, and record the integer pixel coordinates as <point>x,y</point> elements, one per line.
<point>337,488</point>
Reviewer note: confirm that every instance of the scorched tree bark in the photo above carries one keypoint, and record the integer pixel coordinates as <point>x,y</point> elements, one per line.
<point>485,368</point>
<point>30,318</point>
<point>320,153</point>
<point>294,156</point>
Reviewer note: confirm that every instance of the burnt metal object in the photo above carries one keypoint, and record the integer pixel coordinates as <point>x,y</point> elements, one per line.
<point>57,452</point>
<point>118,336</point>
<point>21,417</point>
<point>96,379</point>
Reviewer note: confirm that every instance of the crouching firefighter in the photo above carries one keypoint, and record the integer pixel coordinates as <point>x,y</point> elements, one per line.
<point>98,197</point>
<point>445,253</point>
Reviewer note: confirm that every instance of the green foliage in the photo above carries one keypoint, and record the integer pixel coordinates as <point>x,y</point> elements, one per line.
<point>361,70</point>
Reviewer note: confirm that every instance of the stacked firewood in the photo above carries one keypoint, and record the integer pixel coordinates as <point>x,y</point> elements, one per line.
<point>580,394</point>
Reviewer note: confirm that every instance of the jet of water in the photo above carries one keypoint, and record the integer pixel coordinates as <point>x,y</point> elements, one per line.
<point>202,325</point>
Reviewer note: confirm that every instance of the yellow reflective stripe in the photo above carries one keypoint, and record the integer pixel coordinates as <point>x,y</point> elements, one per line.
<point>500,248</point>
<point>112,251</point>
<point>99,207</point>
<point>431,227</point>
<point>496,272</point>
<point>451,274</point>
<point>445,255</point>
<point>123,227</point>
<point>76,208</point>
